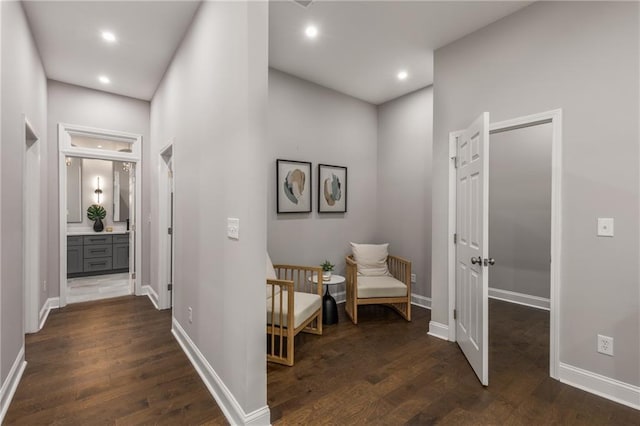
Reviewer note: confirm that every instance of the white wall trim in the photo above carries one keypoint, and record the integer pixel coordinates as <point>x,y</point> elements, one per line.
<point>151,294</point>
<point>11,383</point>
<point>422,301</point>
<point>416,299</point>
<point>603,386</point>
<point>51,303</point>
<point>519,298</point>
<point>166,165</point>
<point>223,396</point>
<point>441,331</point>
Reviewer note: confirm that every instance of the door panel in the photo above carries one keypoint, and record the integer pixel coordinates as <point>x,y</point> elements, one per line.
<point>472,227</point>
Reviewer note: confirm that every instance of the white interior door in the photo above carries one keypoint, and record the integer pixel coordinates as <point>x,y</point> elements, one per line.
<point>472,226</point>
<point>133,171</point>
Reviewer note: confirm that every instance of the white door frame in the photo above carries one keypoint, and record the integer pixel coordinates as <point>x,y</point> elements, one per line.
<point>31,226</point>
<point>166,164</point>
<point>555,118</point>
<point>65,131</point>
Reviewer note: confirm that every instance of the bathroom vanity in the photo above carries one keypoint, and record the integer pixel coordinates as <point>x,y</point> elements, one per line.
<point>97,254</point>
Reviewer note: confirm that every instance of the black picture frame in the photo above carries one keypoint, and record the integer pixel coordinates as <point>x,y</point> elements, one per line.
<point>294,192</point>
<point>332,189</point>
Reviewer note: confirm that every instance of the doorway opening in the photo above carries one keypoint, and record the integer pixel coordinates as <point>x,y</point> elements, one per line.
<point>469,293</point>
<point>165,228</point>
<point>99,207</point>
<point>31,228</point>
<point>98,250</point>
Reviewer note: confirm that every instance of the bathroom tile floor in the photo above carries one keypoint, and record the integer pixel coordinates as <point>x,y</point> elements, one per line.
<point>98,287</point>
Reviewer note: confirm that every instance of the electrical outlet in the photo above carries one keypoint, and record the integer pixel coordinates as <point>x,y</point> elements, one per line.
<point>413,278</point>
<point>233,228</point>
<point>605,345</point>
<point>44,285</point>
<point>190,314</point>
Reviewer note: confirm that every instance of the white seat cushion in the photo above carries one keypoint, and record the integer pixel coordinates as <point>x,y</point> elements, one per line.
<point>384,286</point>
<point>304,305</point>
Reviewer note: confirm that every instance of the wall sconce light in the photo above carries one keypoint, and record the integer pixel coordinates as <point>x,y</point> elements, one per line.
<point>67,161</point>
<point>98,191</point>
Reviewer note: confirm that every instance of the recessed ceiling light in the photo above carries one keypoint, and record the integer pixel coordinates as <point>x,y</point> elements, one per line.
<point>109,36</point>
<point>311,31</point>
<point>104,79</point>
<point>99,146</point>
<point>402,75</point>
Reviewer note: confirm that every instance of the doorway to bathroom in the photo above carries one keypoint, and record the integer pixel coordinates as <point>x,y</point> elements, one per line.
<point>99,207</point>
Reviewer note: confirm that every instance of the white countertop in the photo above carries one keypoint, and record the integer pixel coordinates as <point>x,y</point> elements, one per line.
<point>92,232</point>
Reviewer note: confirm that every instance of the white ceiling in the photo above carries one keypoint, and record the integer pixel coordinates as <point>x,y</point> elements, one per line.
<point>362,45</point>
<point>360,48</point>
<point>68,36</point>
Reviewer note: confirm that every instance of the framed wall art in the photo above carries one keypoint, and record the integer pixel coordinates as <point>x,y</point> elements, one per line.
<point>293,186</point>
<point>332,189</point>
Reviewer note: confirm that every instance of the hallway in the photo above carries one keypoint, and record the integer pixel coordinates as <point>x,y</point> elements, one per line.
<point>110,362</point>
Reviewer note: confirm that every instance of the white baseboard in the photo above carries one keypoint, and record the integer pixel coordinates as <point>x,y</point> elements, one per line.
<point>10,385</point>
<point>422,301</point>
<point>151,294</point>
<point>603,386</point>
<point>520,298</point>
<point>416,299</point>
<point>436,329</point>
<point>51,303</point>
<point>223,396</point>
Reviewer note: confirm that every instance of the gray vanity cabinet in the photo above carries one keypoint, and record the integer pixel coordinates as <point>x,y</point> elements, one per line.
<point>75,256</point>
<point>97,254</point>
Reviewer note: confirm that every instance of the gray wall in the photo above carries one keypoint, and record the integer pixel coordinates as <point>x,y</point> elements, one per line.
<point>87,107</point>
<point>520,210</point>
<point>583,58</point>
<point>405,135</point>
<point>23,92</point>
<point>212,102</point>
<point>311,123</point>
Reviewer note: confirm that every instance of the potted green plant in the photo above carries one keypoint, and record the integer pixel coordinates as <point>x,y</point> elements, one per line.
<point>96,213</point>
<point>327,268</point>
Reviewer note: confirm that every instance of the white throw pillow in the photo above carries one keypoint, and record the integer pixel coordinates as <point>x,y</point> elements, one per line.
<point>371,258</point>
<point>271,275</point>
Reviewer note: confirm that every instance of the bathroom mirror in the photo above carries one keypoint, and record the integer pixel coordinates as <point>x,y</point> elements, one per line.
<point>74,189</point>
<point>121,173</point>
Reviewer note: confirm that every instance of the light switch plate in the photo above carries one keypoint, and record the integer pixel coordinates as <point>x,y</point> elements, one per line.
<point>233,228</point>
<point>605,227</point>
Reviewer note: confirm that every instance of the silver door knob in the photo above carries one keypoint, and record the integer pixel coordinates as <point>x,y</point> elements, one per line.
<point>490,261</point>
<point>476,261</point>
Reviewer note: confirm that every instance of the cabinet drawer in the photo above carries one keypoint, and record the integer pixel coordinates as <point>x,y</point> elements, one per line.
<point>97,239</point>
<point>75,240</point>
<point>98,250</point>
<point>97,264</point>
<point>121,238</point>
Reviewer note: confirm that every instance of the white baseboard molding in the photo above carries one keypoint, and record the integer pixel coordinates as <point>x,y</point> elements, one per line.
<point>51,303</point>
<point>520,298</point>
<point>10,384</point>
<point>151,294</point>
<point>436,329</point>
<point>603,386</point>
<point>422,301</point>
<point>223,396</point>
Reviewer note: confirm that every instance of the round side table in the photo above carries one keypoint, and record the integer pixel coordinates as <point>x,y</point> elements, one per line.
<point>329,306</point>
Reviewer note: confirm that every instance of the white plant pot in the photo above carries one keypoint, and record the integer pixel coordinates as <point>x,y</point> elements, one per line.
<point>326,276</point>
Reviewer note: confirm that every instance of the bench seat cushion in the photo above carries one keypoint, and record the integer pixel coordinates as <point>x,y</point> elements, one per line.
<point>304,305</point>
<point>381,286</point>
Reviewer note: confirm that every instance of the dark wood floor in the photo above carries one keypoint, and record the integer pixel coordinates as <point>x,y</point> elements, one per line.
<point>115,362</point>
<point>110,362</point>
<point>385,371</point>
